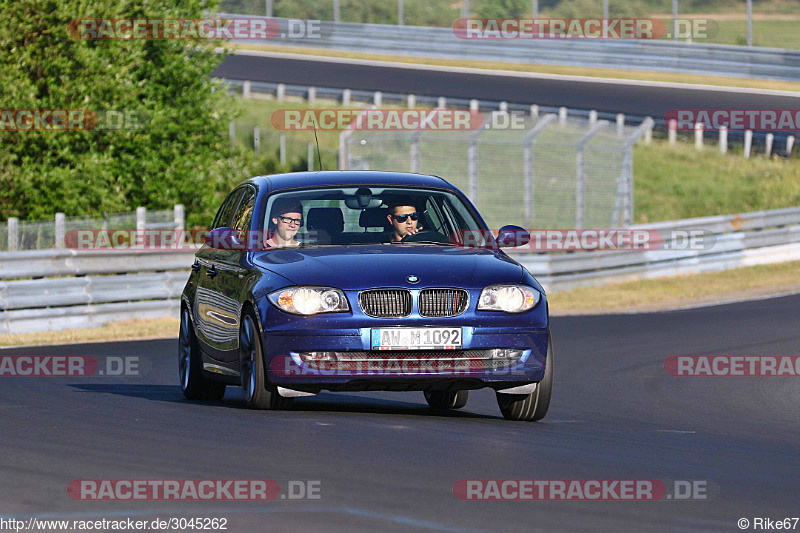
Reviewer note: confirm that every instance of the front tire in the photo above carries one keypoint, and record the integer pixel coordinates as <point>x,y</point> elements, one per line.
<point>194,384</point>
<point>258,394</point>
<point>533,406</point>
<point>447,399</point>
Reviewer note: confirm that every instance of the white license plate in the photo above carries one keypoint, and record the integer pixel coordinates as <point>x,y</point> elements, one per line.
<point>416,338</point>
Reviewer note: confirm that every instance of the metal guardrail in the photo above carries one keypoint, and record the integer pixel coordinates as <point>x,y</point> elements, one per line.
<point>657,55</point>
<point>59,289</point>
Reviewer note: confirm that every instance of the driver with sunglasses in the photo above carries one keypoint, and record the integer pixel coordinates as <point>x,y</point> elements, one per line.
<point>403,217</point>
<point>287,217</point>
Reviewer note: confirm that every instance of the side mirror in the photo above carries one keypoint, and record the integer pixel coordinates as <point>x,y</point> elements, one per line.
<point>512,236</point>
<point>224,239</point>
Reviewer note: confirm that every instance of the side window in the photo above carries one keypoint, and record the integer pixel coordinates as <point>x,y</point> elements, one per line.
<point>432,210</point>
<point>224,216</point>
<point>243,215</point>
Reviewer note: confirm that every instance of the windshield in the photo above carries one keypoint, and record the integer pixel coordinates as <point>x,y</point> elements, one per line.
<point>370,215</point>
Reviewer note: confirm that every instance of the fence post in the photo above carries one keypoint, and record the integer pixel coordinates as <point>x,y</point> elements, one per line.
<point>698,135</point>
<point>441,103</point>
<point>723,140</point>
<point>280,92</point>
<point>282,148</point>
<point>377,99</point>
<point>503,107</point>
<point>580,175</point>
<point>256,139</point>
<point>179,217</point>
<point>748,143</point>
<point>673,131</point>
<point>141,218</point>
<point>562,115</point>
<point>534,111</point>
<point>312,96</point>
<point>310,156</point>
<point>246,89</point>
<point>343,148</point>
<point>61,229</point>
<point>346,96</point>
<point>411,101</point>
<point>474,105</point>
<point>789,145</point>
<point>625,183</point>
<point>414,151</point>
<point>472,166</point>
<point>620,124</point>
<point>593,116</point>
<point>770,141</point>
<point>528,164</point>
<point>13,234</point>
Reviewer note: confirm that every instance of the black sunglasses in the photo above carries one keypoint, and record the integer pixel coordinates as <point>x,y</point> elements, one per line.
<point>403,218</point>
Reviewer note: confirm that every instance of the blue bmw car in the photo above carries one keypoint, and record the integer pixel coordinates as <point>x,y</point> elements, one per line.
<point>358,281</point>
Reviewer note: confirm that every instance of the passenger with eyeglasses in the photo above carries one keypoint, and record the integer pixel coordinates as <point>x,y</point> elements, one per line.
<point>287,217</point>
<point>403,217</point>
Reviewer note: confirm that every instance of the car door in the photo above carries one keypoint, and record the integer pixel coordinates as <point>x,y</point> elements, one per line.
<point>216,315</point>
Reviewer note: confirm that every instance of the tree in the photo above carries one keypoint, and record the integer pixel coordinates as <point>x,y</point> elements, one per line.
<point>177,153</point>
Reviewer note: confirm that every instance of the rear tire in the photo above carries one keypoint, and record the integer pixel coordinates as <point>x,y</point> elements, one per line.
<point>194,384</point>
<point>447,399</point>
<point>533,406</point>
<point>258,393</point>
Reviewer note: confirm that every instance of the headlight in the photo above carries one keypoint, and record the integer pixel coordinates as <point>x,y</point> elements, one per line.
<point>510,298</point>
<point>310,300</point>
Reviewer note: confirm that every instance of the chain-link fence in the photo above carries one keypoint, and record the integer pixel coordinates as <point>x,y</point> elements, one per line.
<point>546,172</point>
<point>17,235</point>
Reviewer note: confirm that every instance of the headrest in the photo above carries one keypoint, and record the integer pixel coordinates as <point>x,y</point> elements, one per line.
<point>328,219</point>
<point>374,217</point>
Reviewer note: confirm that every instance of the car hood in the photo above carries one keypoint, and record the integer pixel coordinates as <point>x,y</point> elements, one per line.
<point>389,265</point>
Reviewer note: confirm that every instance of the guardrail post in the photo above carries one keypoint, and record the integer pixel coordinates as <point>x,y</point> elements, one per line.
<point>474,105</point>
<point>312,96</point>
<point>620,124</point>
<point>411,101</point>
<point>723,140</point>
<point>246,89</point>
<point>282,149</point>
<point>179,217</point>
<point>789,145</point>
<point>441,103</point>
<point>346,96</point>
<point>748,143</point>
<point>648,135</point>
<point>310,156</point>
<point>472,166</point>
<point>770,141</point>
<point>232,131</point>
<point>673,131</point>
<point>528,164</point>
<point>13,234</point>
<point>61,229</point>
<point>698,135</point>
<point>503,107</point>
<point>141,218</point>
<point>562,115</point>
<point>534,111</point>
<point>256,139</point>
<point>377,99</point>
<point>280,92</point>
<point>580,175</point>
<point>593,116</point>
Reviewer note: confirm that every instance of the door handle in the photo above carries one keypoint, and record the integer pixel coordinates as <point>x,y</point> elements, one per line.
<point>196,267</point>
<point>211,272</point>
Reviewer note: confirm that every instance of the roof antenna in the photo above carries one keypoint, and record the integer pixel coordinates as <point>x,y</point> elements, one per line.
<point>319,157</point>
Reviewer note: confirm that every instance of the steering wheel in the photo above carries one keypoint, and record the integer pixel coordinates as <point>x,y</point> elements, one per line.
<point>426,235</point>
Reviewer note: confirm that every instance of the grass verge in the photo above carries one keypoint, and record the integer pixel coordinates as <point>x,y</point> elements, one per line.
<point>679,291</point>
<point>163,328</point>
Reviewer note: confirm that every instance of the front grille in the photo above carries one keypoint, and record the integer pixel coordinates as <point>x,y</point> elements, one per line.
<point>385,303</point>
<point>442,302</point>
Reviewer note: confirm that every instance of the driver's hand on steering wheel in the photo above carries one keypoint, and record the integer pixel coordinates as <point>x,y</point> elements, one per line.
<point>412,231</point>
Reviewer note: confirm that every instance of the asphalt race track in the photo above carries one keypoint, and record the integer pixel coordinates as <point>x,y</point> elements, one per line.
<point>640,100</point>
<point>385,461</point>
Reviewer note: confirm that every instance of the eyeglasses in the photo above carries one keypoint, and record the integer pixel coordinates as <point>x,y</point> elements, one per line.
<point>403,218</point>
<point>290,220</point>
